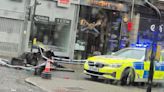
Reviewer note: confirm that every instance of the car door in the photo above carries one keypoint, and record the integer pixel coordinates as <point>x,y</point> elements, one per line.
<point>146,69</point>
<point>158,68</point>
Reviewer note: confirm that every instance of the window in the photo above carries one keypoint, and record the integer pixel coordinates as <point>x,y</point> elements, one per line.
<point>130,53</point>
<point>54,34</point>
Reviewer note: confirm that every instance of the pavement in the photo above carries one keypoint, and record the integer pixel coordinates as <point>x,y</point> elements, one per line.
<point>12,80</point>
<point>71,85</point>
<point>79,82</point>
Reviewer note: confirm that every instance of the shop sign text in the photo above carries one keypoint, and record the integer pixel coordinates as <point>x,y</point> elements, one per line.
<point>107,4</point>
<point>64,3</point>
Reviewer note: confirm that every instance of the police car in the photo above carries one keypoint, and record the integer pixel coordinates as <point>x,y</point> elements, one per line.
<point>127,66</point>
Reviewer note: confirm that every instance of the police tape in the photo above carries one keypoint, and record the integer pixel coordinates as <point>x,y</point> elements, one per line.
<point>62,60</point>
<point>69,61</point>
<point>4,62</point>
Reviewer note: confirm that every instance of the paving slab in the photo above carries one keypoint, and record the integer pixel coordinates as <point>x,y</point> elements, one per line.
<point>70,85</point>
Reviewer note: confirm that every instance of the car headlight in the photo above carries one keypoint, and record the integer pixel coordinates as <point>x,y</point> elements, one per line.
<point>115,65</point>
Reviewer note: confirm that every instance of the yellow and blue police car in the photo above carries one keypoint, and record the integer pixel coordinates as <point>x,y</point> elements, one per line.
<point>127,66</point>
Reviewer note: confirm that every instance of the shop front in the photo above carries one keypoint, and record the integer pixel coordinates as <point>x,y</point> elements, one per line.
<point>79,28</point>
<point>99,28</point>
<point>148,23</point>
<point>146,31</point>
<point>54,26</point>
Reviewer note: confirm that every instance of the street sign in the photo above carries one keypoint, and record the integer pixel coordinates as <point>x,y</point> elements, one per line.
<point>161,28</point>
<point>62,21</point>
<point>41,18</point>
<point>152,27</point>
<point>64,3</point>
<point>106,4</point>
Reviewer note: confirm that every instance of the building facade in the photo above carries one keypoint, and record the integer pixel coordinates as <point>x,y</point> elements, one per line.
<point>55,25</point>
<point>100,28</point>
<point>59,26</point>
<point>72,28</point>
<point>12,26</point>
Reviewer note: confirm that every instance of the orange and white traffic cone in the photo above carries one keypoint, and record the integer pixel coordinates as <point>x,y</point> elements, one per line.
<point>46,74</point>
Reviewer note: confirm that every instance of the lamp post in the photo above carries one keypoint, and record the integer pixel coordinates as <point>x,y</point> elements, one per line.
<point>154,46</point>
<point>129,25</point>
<point>132,11</point>
<point>32,20</point>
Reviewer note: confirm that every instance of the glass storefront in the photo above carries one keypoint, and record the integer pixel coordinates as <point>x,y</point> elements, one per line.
<point>53,34</point>
<point>55,26</point>
<point>98,31</point>
<point>146,35</point>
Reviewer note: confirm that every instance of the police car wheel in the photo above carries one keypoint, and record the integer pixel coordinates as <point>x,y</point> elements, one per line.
<point>128,77</point>
<point>94,77</point>
<point>114,82</point>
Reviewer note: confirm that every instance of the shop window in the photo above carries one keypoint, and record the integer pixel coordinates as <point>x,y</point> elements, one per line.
<point>99,30</point>
<point>60,36</point>
<point>54,34</point>
<point>145,35</point>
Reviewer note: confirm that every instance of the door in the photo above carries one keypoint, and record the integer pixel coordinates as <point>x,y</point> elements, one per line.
<point>10,36</point>
<point>158,68</point>
<point>157,63</point>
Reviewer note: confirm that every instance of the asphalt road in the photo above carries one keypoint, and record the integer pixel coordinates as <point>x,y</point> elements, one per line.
<point>78,75</point>
<point>13,80</point>
<point>138,87</point>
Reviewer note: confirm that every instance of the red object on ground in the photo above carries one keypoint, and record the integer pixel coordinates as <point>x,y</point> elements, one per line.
<point>46,74</point>
<point>47,67</point>
<point>66,77</point>
<point>130,26</point>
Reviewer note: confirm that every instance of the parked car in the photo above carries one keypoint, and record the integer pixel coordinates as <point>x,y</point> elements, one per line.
<point>127,66</point>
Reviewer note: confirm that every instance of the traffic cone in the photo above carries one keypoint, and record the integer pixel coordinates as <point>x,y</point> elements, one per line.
<point>46,74</point>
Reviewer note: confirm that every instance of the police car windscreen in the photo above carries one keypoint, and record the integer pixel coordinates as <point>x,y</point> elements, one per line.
<point>131,53</point>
